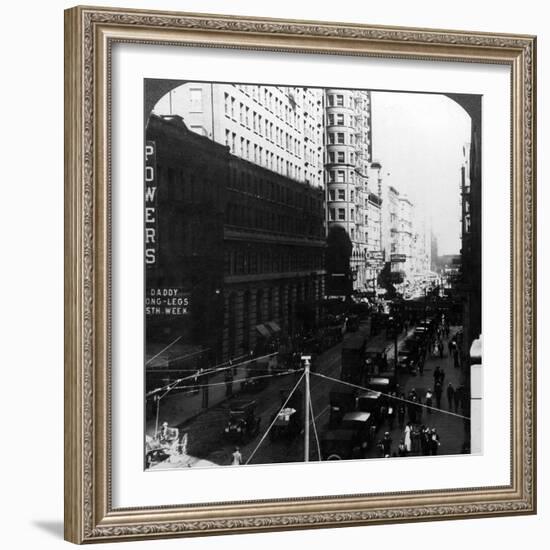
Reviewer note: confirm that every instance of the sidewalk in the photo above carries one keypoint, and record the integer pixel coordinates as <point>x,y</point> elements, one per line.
<point>450,428</point>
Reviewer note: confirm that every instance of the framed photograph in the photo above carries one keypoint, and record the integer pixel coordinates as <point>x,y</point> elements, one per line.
<point>300,274</point>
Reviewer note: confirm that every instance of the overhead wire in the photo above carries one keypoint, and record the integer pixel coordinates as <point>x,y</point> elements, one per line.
<point>237,380</point>
<point>418,404</point>
<point>212,370</point>
<point>275,418</point>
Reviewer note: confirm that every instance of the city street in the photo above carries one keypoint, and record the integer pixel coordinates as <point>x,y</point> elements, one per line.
<point>207,444</point>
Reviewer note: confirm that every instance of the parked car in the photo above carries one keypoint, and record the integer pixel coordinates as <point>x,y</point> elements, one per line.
<point>342,401</point>
<point>339,444</point>
<point>243,423</point>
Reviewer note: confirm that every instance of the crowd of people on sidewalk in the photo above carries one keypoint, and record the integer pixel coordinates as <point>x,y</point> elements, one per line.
<point>413,410</point>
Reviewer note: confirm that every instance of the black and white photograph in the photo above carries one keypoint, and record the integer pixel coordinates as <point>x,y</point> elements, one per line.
<point>312,264</point>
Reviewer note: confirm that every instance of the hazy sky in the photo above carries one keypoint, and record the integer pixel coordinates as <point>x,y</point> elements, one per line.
<point>418,139</point>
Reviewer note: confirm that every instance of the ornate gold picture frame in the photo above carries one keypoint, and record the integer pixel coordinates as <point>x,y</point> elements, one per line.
<point>90,34</point>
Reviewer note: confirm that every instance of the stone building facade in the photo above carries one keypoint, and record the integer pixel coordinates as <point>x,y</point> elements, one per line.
<point>244,243</point>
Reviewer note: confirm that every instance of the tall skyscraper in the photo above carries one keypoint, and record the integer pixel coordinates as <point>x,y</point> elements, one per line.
<point>348,155</point>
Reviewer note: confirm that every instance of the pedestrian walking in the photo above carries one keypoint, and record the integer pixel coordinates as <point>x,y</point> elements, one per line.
<point>425,441</point>
<point>438,390</point>
<point>429,400</point>
<point>455,358</point>
<point>407,439</point>
<point>386,444</point>
<point>237,457</point>
<point>401,415</point>
<point>415,438</point>
<point>401,449</point>
<point>451,395</point>
<point>434,442</point>
<point>437,375</point>
<point>391,415</point>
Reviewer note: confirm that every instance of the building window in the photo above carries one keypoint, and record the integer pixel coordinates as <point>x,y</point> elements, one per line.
<point>352,196</point>
<point>227,138</point>
<point>331,158</point>
<point>331,120</point>
<point>341,157</point>
<point>340,100</point>
<point>226,103</point>
<point>341,194</point>
<point>233,108</point>
<point>341,214</point>
<point>332,195</point>
<point>340,119</point>
<point>341,137</point>
<point>196,100</point>
<point>341,176</point>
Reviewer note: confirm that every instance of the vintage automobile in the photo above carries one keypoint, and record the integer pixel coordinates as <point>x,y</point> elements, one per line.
<point>287,424</point>
<point>340,444</point>
<point>287,421</point>
<point>363,426</point>
<point>407,361</point>
<point>371,402</point>
<point>384,383</point>
<point>353,358</point>
<point>342,401</point>
<point>256,376</point>
<point>242,423</point>
<point>375,354</point>
<point>352,323</point>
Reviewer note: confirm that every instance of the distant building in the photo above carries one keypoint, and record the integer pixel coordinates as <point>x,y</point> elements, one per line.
<point>373,214</point>
<point>434,252</point>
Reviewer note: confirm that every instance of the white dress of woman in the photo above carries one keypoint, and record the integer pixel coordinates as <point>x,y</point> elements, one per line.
<point>408,438</point>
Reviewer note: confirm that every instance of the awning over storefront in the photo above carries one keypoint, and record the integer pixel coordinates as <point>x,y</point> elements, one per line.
<point>273,326</point>
<point>263,330</point>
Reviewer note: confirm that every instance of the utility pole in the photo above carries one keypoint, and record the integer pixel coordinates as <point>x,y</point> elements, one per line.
<point>307,361</point>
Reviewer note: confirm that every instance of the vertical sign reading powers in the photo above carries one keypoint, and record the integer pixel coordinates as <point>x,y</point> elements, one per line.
<point>150,203</point>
